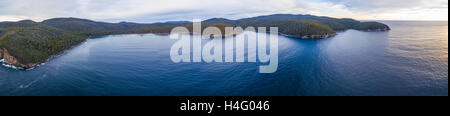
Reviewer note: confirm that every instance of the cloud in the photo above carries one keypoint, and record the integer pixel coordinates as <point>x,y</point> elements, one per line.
<point>398,9</point>
<point>165,10</point>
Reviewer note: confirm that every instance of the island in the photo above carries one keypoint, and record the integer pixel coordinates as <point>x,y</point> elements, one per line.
<point>27,43</point>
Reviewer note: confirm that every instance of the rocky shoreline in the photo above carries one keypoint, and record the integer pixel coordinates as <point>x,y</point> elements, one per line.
<point>11,60</point>
<point>375,30</point>
<point>311,36</point>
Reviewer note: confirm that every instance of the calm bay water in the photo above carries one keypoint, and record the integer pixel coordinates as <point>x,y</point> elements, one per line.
<point>411,59</point>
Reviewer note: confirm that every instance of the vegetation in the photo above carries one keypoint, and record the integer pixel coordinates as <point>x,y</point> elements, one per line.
<point>371,26</point>
<point>33,42</point>
<point>303,25</point>
<point>292,27</point>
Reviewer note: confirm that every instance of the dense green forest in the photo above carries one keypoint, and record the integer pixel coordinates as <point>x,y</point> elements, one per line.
<point>33,42</point>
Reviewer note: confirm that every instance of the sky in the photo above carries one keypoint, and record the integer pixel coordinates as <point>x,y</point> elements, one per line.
<point>175,10</point>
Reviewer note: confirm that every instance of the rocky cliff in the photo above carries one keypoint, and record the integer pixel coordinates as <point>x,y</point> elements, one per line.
<point>8,59</point>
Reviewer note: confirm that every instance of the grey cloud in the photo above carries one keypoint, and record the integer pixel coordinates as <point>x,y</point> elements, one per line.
<point>160,10</point>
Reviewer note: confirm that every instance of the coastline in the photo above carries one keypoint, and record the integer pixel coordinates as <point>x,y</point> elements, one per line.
<point>15,64</point>
<point>12,62</point>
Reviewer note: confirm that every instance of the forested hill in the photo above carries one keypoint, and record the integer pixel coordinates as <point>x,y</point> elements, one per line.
<point>26,43</point>
<point>299,26</point>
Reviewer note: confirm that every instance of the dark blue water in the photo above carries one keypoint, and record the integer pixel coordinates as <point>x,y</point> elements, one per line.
<point>411,59</point>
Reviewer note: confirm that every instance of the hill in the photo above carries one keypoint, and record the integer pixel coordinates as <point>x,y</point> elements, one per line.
<point>24,44</point>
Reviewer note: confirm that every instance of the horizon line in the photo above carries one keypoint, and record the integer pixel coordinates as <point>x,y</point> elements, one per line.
<point>104,20</point>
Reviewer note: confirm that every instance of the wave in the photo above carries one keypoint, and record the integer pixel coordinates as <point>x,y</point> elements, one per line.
<point>4,64</point>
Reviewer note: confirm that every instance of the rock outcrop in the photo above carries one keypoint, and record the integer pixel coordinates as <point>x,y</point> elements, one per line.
<point>8,59</point>
<point>318,36</point>
<point>311,36</point>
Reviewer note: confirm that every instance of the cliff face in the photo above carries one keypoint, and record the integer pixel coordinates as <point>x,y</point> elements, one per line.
<point>13,61</point>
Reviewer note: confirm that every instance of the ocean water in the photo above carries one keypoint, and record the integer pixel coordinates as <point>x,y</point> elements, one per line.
<point>409,60</point>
